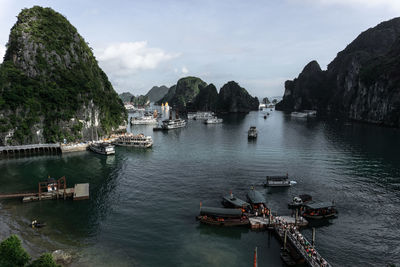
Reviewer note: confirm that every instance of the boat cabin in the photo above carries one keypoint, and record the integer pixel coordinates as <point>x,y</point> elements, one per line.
<point>278,181</point>
<point>257,201</point>
<point>222,216</point>
<point>319,210</point>
<point>230,201</point>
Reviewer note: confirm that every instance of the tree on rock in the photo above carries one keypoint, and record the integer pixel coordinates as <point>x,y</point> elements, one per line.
<point>12,253</point>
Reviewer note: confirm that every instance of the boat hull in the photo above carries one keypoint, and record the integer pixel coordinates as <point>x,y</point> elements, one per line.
<point>226,222</point>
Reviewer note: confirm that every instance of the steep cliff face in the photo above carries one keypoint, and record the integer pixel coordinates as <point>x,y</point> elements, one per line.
<point>156,93</point>
<point>51,86</point>
<point>360,83</point>
<point>233,98</point>
<point>207,99</point>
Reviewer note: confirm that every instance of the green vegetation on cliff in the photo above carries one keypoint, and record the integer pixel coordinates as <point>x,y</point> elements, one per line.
<point>51,86</point>
<point>191,93</point>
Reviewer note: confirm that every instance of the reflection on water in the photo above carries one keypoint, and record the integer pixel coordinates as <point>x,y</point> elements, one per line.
<point>143,202</point>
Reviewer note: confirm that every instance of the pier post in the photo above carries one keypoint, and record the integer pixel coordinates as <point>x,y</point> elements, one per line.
<point>284,240</point>
<point>297,216</point>
<point>313,237</point>
<point>255,257</point>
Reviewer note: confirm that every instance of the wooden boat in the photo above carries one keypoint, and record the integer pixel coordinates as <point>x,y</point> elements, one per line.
<point>222,216</point>
<point>319,210</point>
<point>229,201</point>
<point>256,199</point>
<point>299,201</point>
<point>278,181</point>
<point>36,224</point>
<point>252,133</point>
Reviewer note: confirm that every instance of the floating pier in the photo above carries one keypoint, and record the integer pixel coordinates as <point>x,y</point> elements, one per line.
<point>53,189</point>
<point>29,149</point>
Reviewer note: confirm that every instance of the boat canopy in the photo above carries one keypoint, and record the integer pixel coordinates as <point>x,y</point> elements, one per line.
<point>319,205</point>
<point>277,178</point>
<point>236,201</point>
<point>255,197</point>
<point>220,212</point>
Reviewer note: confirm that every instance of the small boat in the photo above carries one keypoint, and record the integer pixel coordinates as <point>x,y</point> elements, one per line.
<point>213,120</point>
<point>36,224</point>
<point>170,123</point>
<point>230,201</point>
<point>319,210</point>
<point>222,216</point>
<point>200,115</point>
<point>256,199</point>
<point>279,181</point>
<point>299,201</point>
<point>296,114</point>
<point>102,148</point>
<point>132,140</point>
<point>252,133</point>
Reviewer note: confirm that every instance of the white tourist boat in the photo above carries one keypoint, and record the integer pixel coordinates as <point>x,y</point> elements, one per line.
<point>173,124</point>
<point>200,115</point>
<point>304,114</point>
<point>297,114</point>
<point>131,140</point>
<point>102,148</point>
<point>143,120</point>
<point>213,120</point>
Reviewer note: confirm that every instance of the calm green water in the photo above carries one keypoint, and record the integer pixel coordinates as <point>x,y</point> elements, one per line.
<point>143,203</point>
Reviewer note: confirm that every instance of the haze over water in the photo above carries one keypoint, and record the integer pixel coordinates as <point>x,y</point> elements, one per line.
<point>143,203</point>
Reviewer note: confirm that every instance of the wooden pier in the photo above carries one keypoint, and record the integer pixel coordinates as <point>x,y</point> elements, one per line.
<point>29,149</point>
<point>291,237</point>
<point>53,189</point>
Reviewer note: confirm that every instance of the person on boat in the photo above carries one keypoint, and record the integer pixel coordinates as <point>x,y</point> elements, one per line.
<point>33,223</point>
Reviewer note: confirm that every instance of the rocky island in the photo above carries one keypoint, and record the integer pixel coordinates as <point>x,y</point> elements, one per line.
<point>192,93</point>
<point>362,83</point>
<point>51,87</point>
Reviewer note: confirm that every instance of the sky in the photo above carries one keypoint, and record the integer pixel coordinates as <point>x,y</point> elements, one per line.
<point>259,44</point>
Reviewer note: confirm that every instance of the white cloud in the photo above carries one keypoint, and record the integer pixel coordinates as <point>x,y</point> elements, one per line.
<point>184,70</point>
<point>387,4</point>
<point>2,53</point>
<point>123,59</point>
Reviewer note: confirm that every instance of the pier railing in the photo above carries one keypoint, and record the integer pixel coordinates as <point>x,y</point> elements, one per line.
<point>313,259</point>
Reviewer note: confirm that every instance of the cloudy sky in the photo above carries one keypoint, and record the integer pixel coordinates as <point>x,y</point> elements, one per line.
<point>259,44</point>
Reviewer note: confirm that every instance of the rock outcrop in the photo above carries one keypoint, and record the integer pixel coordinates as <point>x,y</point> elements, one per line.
<point>126,97</point>
<point>51,86</point>
<point>184,92</point>
<point>233,98</point>
<point>157,93</point>
<point>361,83</point>
<point>207,99</point>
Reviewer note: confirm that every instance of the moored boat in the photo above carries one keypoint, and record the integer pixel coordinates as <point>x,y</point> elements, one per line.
<point>229,201</point>
<point>213,120</point>
<point>252,133</point>
<point>279,181</point>
<point>299,201</point>
<point>170,123</point>
<point>222,216</point>
<point>102,148</point>
<point>319,210</point>
<point>257,201</point>
<point>131,140</point>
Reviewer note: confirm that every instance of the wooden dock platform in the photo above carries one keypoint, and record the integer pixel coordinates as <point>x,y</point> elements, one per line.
<point>269,222</point>
<point>53,189</point>
<point>29,149</point>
